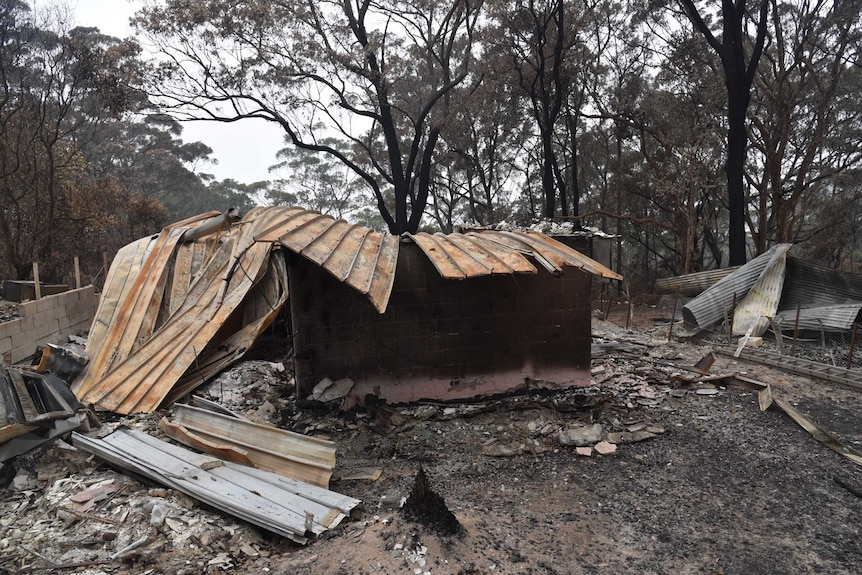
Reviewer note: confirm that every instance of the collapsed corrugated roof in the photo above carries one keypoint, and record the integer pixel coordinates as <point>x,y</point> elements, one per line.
<point>718,301</point>
<point>180,306</point>
<point>797,294</point>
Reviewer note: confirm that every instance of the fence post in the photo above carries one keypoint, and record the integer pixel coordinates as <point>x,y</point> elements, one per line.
<point>629,310</point>
<point>36,284</point>
<point>77,273</point>
<point>795,332</point>
<point>852,345</point>
<point>673,316</point>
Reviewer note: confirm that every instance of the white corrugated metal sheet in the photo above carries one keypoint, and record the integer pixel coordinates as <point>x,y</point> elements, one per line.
<point>278,504</point>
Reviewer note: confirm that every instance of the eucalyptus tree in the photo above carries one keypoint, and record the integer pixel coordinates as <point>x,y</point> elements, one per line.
<point>56,83</point>
<point>806,115</point>
<point>317,182</point>
<point>378,75</point>
<point>738,43</point>
<point>477,172</point>
<point>539,35</point>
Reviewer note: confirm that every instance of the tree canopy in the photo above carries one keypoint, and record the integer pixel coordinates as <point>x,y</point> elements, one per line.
<point>700,133</point>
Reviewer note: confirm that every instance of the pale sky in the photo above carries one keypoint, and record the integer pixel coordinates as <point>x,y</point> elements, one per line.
<point>244,150</point>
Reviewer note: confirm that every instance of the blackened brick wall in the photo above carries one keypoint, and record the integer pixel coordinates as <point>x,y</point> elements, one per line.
<point>444,338</point>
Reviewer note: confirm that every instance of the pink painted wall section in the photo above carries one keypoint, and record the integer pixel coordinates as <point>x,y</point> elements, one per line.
<point>51,319</point>
<point>440,339</point>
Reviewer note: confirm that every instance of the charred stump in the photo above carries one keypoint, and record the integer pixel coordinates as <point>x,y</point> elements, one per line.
<point>426,507</point>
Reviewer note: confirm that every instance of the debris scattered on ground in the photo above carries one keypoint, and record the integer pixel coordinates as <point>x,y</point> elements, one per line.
<point>681,449</point>
<point>278,504</point>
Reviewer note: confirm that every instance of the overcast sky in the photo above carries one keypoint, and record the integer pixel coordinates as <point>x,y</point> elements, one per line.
<point>244,149</point>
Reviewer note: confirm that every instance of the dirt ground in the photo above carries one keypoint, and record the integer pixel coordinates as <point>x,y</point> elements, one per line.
<point>701,481</point>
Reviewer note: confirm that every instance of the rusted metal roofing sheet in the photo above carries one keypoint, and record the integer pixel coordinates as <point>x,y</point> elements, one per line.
<point>160,331</point>
<point>307,459</point>
<point>485,252</point>
<point>711,306</point>
<point>362,258</point>
<point>157,325</point>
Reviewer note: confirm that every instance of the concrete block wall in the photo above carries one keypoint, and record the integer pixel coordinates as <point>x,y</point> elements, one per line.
<point>51,319</point>
<point>438,337</point>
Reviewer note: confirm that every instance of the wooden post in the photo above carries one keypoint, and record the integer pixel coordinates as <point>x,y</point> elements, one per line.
<point>730,322</point>
<point>601,300</point>
<point>36,284</point>
<point>77,273</point>
<point>795,332</point>
<point>673,317</point>
<point>779,338</point>
<point>852,345</point>
<point>105,262</point>
<point>629,309</point>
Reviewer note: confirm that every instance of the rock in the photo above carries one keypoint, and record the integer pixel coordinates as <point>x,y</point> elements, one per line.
<point>158,514</point>
<point>584,451</point>
<point>605,448</point>
<point>327,390</point>
<point>581,436</point>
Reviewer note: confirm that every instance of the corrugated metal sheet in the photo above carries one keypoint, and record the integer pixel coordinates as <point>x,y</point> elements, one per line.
<point>711,306</point>
<point>174,312</point>
<point>808,285</point>
<point>276,503</point>
<point>761,302</point>
<point>839,317</point>
<point>307,459</point>
<point>362,258</point>
<point>139,349</point>
<point>485,252</point>
<point>692,284</point>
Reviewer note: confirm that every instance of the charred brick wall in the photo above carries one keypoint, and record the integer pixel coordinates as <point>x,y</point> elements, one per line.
<point>50,319</point>
<point>440,338</point>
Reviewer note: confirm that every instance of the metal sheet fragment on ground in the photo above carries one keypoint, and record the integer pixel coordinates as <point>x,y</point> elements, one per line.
<point>301,457</point>
<point>838,317</point>
<point>265,499</point>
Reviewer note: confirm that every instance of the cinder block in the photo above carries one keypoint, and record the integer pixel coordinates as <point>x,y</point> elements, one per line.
<point>10,327</point>
<point>19,354</point>
<point>27,309</point>
<point>21,339</point>
<point>26,323</point>
<point>40,320</point>
<point>51,313</point>
<point>64,322</point>
<point>5,344</point>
